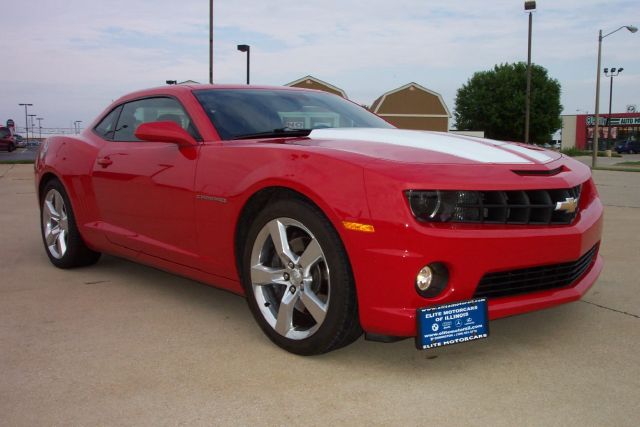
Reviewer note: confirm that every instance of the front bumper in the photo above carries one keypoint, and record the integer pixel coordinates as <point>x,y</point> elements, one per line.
<point>386,268</point>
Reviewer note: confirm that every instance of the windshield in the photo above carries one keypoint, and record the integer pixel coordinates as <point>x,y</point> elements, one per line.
<point>238,113</point>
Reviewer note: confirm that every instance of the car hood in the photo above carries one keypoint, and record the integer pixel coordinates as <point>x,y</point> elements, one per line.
<point>410,146</point>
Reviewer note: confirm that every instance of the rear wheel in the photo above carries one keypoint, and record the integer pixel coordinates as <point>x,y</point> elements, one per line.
<point>11,148</point>
<point>298,280</point>
<point>60,235</point>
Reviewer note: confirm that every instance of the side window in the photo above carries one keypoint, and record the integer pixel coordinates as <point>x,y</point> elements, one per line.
<point>151,110</point>
<point>106,128</point>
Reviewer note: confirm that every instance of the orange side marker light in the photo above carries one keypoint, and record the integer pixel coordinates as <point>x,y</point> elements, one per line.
<point>357,226</point>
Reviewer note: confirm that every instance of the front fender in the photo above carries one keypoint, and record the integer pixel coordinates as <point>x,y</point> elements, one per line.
<point>227,176</point>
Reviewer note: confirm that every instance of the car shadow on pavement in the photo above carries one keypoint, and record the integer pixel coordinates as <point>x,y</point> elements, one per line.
<point>509,336</point>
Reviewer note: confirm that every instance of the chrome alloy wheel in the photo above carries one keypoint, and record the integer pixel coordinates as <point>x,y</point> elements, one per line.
<point>55,224</point>
<point>290,278</point>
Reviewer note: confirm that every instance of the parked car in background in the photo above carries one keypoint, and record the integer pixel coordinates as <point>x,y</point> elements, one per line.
<point>628,146</point>
<point>329,220</point>
<point>20,141</point>
<point>7,141</point>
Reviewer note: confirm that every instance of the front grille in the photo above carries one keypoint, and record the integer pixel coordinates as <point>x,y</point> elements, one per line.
<point>534,279</point>
<point>529,207</point>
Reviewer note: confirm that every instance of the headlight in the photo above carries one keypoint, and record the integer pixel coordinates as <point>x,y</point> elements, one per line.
<point>446,205</point>
<point>525,207</point>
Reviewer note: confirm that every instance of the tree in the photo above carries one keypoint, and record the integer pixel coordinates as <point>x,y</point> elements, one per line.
<point>494,101</point>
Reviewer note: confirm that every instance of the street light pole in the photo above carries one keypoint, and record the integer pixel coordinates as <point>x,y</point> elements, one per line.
<point>40,119</point>
<point>246,48</point>
<point>33,126</point>
<point>596,129</point>
<point>528,6</point>
<point>614,72</point>
<point>26,119</point>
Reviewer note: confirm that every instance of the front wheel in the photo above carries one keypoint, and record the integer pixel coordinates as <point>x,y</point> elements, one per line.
<point>60,235</point>
<point>298,280</point>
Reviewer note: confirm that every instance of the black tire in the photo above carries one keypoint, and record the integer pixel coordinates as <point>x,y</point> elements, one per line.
<point>65,249</point>
<point>11,148</point>
<point>328,279</point>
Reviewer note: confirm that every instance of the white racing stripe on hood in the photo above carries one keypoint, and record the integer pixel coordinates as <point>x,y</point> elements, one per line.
<point>479,150</point>
<point>534,154</point>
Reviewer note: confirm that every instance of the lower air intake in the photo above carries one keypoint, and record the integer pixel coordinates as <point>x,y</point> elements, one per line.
<point>514,282</point>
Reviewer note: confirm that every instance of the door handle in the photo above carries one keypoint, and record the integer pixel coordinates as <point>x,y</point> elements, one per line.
<point>105,161</point>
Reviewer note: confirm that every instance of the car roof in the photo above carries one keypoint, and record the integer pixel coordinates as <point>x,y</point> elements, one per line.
<point>182,88</point>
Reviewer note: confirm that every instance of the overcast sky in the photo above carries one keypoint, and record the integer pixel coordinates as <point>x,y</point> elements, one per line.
<point>72,58</point>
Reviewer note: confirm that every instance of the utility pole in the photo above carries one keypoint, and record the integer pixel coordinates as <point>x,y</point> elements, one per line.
<point>210,42</point>
<point>528,6</point>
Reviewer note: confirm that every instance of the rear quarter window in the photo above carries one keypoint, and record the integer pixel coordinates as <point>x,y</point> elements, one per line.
<point>107,126</point>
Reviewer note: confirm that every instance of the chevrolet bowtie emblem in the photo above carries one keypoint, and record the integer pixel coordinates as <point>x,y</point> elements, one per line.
<point>569,205</point>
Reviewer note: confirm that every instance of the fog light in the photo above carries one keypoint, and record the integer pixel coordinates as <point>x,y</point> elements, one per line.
<point>432,280</point>
<point>424,278</point>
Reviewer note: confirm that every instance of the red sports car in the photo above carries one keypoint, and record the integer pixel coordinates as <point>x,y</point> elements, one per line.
<point>326,218</point>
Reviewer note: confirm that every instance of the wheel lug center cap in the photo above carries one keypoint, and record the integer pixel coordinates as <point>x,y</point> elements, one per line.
<point>296,277</point>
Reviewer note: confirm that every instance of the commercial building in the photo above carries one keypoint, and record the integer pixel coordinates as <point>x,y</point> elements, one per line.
<point>577,130</point>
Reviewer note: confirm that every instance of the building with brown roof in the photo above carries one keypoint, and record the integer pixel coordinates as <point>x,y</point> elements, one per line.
<point>413,107</point>
<point>310,82</point>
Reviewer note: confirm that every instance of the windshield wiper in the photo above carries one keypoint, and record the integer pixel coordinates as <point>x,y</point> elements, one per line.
<point>276,133</point>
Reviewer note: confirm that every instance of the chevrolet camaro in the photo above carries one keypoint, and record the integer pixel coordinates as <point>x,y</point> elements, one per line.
<point>330,221</point>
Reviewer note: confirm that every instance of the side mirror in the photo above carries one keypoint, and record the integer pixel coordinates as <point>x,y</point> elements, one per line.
<point>164,132</point>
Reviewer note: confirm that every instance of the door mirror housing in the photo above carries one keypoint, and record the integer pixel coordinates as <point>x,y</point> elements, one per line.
<point>164,132</point>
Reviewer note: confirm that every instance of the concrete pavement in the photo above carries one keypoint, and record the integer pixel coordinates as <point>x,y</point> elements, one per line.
<point>609,161</point>
<point>123,344</point>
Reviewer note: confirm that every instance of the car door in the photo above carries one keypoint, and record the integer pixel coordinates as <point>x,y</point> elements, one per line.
<point>144,189</point>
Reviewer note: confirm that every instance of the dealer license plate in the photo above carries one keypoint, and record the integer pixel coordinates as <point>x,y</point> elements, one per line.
<point>452,323</point>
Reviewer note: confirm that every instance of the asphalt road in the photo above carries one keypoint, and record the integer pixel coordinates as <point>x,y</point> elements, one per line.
<point>123,344</point>
<point>19,154</point>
